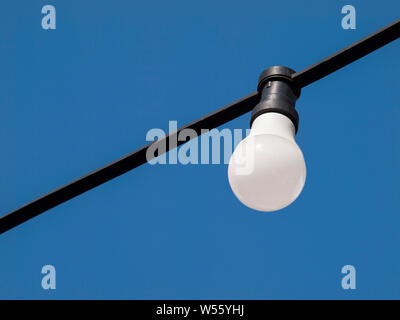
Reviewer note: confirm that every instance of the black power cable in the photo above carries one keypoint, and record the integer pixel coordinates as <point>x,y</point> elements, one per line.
<point>347,55</point>
<point>125,164</point>
<point>210,121</point>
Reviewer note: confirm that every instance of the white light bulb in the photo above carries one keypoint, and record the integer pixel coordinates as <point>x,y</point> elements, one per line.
<point>267,170</point>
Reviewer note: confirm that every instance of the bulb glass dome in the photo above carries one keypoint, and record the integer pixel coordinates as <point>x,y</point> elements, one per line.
<point>267,170</point>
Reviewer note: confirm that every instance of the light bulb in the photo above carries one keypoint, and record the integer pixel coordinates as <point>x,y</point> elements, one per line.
<point>267,170</point>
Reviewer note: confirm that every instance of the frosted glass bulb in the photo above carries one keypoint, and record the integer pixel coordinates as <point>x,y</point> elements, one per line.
<point>267,170</point>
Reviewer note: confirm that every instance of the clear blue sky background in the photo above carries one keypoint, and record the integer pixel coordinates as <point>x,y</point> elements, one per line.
<point>85,94</point>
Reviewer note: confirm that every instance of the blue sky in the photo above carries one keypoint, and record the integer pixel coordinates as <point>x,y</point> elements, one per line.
<point>85,94</point>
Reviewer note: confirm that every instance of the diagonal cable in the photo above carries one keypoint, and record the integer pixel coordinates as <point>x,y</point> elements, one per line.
<point>301,79</point>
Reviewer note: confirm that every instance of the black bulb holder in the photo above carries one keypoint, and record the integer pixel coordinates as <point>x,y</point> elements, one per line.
<point>278,94</point>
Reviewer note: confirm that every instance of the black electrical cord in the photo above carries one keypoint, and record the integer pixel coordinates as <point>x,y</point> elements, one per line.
<point>347,55</point>
<point>210,121</point>
<point>125,164</point>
